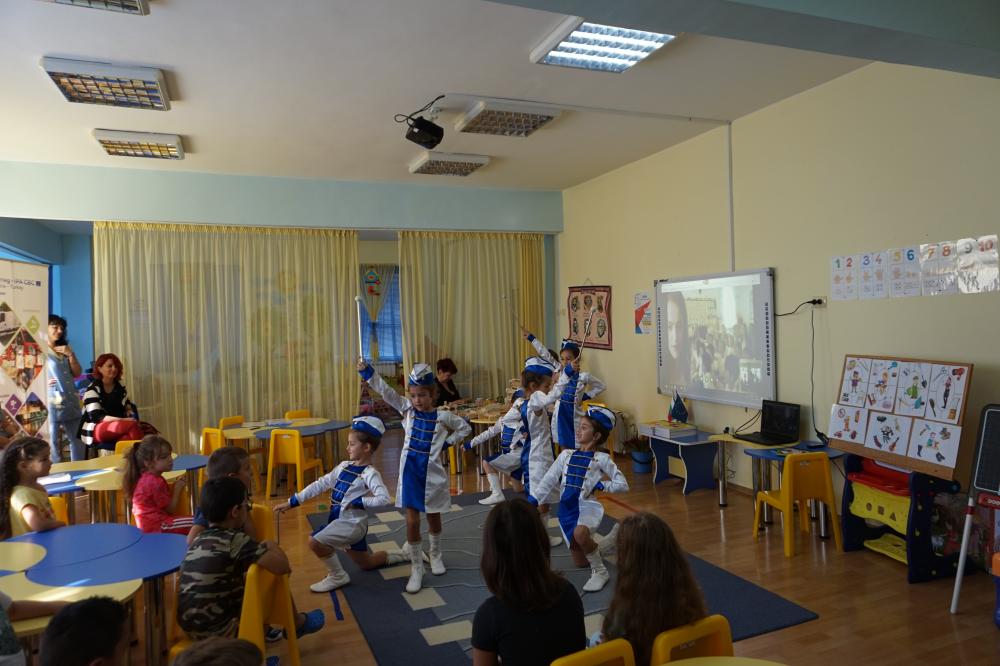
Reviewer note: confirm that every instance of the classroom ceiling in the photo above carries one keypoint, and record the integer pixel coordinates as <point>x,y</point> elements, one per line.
<point>308,89</point>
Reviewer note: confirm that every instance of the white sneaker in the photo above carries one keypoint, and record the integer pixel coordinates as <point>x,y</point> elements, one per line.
<point>555,541</point>
<point>598,579</point>
<point>331,582</point>
<point>416,579</point>
<point>395,557</point>
<point>437,563</point>
<point>494,498</point>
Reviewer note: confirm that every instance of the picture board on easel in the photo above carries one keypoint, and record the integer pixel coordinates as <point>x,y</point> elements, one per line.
<point>907,412</point>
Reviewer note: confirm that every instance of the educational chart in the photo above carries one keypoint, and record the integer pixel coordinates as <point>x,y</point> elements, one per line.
<point>902,411</point>
<point>24,306</point>
<point>643,313</point>
<point>965,266</point>
<point>589,311</point>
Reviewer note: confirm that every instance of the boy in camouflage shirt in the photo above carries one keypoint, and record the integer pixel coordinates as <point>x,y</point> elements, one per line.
<point>214,570</point>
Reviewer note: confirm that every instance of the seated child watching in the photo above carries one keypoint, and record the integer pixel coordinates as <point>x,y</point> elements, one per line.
<point>154,505</point>
<point>218,651</point>
<point>233,461</point>
<point>11,653</point>
<point>213,573</point>
<point>24,504</point>
<point>91,632</point>
<point>349,484</point>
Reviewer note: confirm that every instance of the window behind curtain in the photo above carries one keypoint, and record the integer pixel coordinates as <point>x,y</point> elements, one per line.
<point>388,329</point>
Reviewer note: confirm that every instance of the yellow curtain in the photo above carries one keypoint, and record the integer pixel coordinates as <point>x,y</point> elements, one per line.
<point>374,295</point>
<point>458,292</point>
<point>211,321</point>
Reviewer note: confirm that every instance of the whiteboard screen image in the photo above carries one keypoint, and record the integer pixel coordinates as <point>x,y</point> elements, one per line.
<point>715,337</point>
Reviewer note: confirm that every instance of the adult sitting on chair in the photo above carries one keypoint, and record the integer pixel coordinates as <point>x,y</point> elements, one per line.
<point>447,393</point>
<point>108,414</point>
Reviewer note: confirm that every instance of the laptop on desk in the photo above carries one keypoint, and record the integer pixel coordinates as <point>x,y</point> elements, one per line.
<point>779,424</point>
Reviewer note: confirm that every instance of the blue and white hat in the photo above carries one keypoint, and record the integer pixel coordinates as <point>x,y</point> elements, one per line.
<point>368,424</point>
<point>421,375</point>
<point>539,366</point>
<point>570,344</point>
<point>602,415</point>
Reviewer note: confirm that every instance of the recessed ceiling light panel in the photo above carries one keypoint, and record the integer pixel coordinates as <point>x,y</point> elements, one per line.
<point>140,144</point>
<point>447,164</point>
<point>505,119</point>
<point>138,7</point>
<point>607,48</point>
<point>109,85</point>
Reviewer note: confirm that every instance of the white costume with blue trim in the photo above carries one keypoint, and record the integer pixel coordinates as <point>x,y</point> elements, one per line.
<point>508,427</point>
<point>353,488</point>
<point>536,454</point>
<point>579,387</point>
<point>423,481</point>
<point>577,474</point>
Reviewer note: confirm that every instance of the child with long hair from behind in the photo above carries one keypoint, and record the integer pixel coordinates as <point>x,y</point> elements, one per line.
<point>154,505</point>
<point>655,590</point>
<point>24,504</point>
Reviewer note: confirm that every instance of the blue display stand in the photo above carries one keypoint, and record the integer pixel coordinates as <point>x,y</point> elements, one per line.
<point>697,453</point>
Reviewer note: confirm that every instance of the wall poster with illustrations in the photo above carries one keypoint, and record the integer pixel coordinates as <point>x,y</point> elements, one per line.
<point>589,310</point>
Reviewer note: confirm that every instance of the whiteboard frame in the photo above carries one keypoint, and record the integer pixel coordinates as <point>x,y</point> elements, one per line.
<point>770,345</point>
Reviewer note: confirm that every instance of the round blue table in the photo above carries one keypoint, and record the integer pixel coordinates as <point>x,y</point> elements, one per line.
<point>70,487</point>
<point>149,558</point>
<point>761,473</point>
<point>75,544</point>
<point>191,463</point>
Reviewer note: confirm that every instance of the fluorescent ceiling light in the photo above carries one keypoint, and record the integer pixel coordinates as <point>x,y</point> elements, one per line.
<point>607,48</point>
<point>109,85</point>
<point>447,164</point>
<point>140,144</point>
<point>138,7</point>
<point>505,119</point>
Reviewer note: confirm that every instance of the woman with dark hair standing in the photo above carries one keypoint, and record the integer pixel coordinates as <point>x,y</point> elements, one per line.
<point>534,615</point>
<point>108,414</point>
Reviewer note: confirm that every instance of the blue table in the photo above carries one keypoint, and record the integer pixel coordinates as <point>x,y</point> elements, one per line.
<point>310,431</point>
<point>70,487</point>
<point>149,558</point>
<point>697,453</point>
<point>761,472</point>
<point>191,463</point>
<point>75,544</point>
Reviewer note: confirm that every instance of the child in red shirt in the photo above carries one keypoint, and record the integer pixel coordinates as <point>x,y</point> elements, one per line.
<point>153,503</point>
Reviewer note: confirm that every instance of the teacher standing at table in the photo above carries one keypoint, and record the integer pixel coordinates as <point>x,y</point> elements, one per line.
<point>108,414</point>
<point>446,393</point>
<point>64,403</point>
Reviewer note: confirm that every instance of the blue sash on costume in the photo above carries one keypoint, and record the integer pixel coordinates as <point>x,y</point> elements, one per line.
<point>566,424</point>
<point>569,502</point>
<point>417,457</point>
<point>525,448</point>
<point>344,482</point>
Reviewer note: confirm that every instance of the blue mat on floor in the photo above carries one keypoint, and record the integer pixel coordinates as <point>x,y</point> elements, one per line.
<point>392,628</point>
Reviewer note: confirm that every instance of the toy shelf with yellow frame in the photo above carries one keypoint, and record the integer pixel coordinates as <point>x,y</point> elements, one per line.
<point>907,414</point>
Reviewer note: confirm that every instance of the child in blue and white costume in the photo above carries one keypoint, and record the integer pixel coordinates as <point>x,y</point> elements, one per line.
<point>508,460</point>
<point>578,474</point>
<point>536,454</point>
<point>579,387</point>
<point>354,485</point>
<point>423,482</point>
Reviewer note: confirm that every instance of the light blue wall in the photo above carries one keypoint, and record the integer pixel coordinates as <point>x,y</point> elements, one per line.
<point>76,295</point>
<point>48,191</point>
<point>28,238</point>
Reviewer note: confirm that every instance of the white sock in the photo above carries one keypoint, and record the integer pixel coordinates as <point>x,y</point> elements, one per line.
<point>435,540</point>
<point>494,480</point>
<point>333,564</point>
<point>416,554</point>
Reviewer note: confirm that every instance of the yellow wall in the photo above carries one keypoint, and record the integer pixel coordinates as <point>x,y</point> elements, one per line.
<point>882,157</point>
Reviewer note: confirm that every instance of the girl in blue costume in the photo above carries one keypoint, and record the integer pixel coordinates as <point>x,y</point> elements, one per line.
<point>508,460</point>
<point>423,481</point>
<point>579,474</point>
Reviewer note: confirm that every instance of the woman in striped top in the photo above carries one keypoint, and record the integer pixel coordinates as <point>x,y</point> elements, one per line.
<point>108,414</point>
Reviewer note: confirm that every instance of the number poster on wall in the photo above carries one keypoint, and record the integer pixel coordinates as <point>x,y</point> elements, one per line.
<point>906,412</point>
<point>24,316</point>
<point>589,311</point>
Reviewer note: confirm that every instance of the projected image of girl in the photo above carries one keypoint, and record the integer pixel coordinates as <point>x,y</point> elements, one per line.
<point>678,361</point>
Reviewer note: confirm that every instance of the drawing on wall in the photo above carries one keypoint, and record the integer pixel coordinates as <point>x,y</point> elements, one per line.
<point>856,371</point>
<point>945,393</point>
<point>911,396</point>
<point>935,442</point>
<point>848,423</point>
<point>888,432</point>
<point>882,382</point>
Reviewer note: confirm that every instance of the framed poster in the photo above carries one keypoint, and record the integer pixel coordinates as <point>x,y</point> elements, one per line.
<point>589,311</point>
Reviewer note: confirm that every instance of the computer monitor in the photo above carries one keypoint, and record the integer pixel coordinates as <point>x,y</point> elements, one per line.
<point>779,418</point>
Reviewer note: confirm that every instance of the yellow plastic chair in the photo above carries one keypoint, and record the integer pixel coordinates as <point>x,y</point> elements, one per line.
<point>310,441</point>
<point>261,450</point>
<point>613,653</point>
<point>59,508</point>
<point>806,476</point>
<point>263,522</point>
<point>709,637</point>
<point>211,440</point>
<point>123,446</point>
<point>286,449</point>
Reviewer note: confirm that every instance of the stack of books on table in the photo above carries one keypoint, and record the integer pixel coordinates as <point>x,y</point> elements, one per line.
<point>664,429</point>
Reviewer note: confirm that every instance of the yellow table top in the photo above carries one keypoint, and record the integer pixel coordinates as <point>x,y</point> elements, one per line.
<point>728,661</point>
<point>245,432</point>
<point>19,588</point>
<point>730,439</point>
<point>111,480</point>
<point>17,556</point>
<point>102,462</point>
